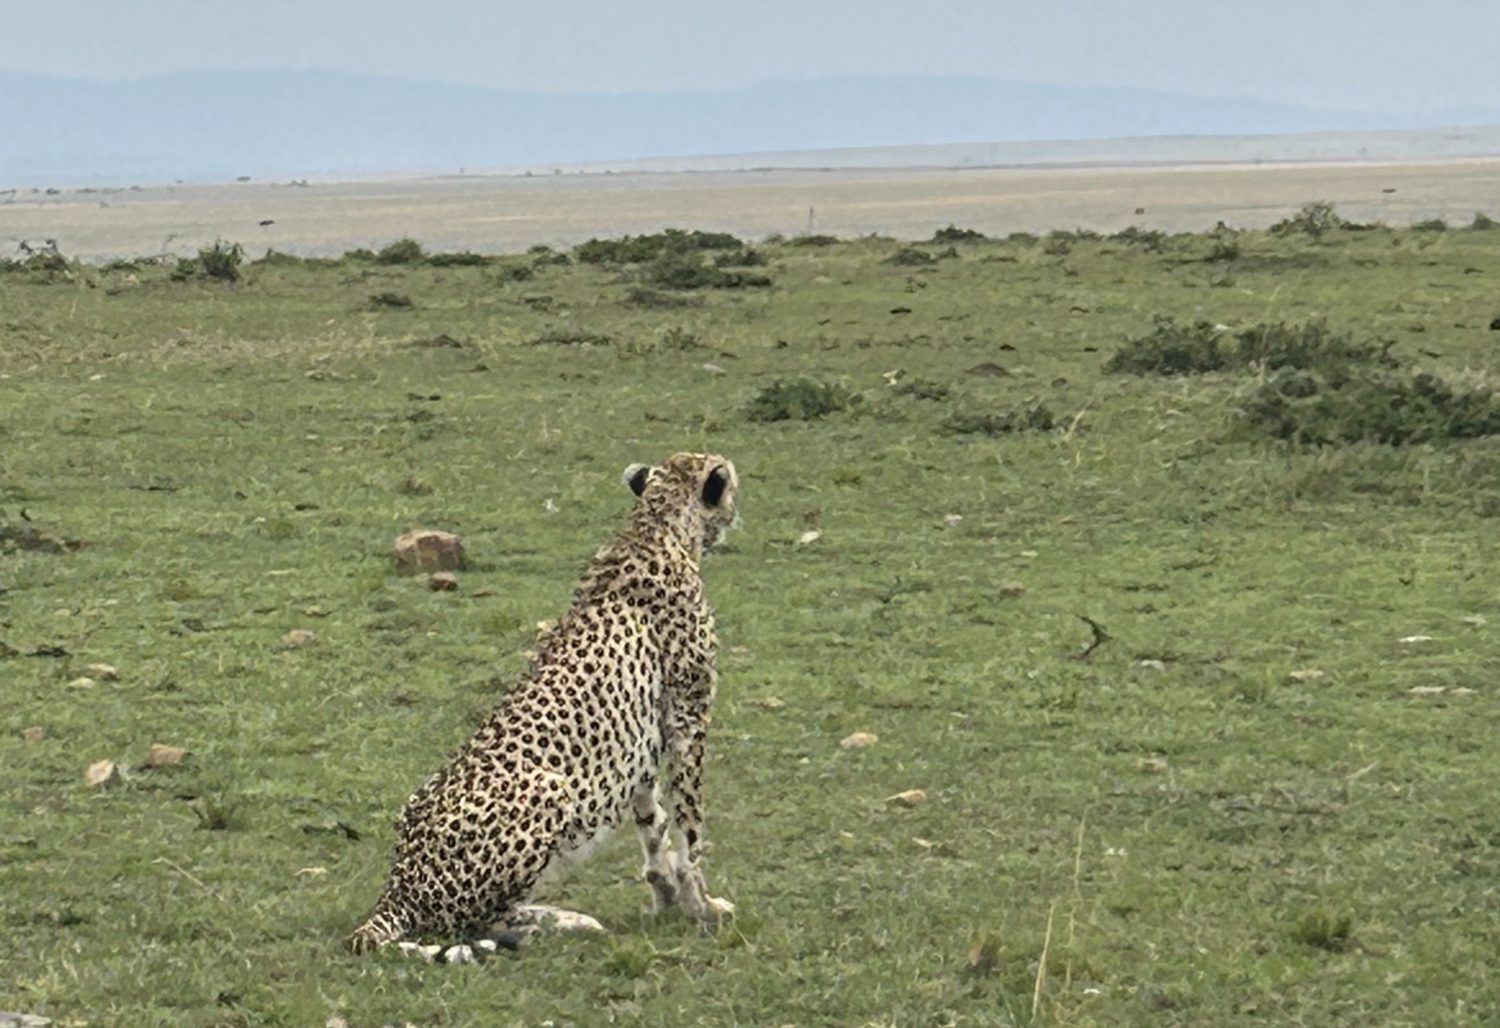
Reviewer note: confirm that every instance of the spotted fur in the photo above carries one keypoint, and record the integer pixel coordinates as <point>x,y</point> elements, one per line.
<point>614,713</point>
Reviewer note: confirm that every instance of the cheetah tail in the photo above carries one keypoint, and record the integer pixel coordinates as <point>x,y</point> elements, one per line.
<point>384,925</point>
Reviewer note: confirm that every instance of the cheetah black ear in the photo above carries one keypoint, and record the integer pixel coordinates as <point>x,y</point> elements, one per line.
<point>635,477</point>
<point>713,487</point>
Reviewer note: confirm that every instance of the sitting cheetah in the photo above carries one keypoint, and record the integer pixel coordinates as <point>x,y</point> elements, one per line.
<point>618,693</point>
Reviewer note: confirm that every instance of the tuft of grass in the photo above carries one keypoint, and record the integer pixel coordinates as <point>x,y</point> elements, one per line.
<point>910,257</point>
<point>687,271</point>
<point>1322,929</point>
<point>390,300</point>
<point>462,259</point>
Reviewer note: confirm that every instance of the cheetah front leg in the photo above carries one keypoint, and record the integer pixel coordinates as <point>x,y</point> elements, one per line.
<point>660,868</point>
<point>687,744</point>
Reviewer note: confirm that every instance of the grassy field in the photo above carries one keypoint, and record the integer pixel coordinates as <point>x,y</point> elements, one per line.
<point>1268,796</point>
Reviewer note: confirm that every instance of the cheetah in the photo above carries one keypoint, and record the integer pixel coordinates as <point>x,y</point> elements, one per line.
<point>611,719</point>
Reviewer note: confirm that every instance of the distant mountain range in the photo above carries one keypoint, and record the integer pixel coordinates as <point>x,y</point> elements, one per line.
<point>216,126</point>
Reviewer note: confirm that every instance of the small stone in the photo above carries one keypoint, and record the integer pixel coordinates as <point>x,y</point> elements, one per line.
<point>442,581</point>
<point>925,844</point>
<point>1415,639</point>
<point>299,637</point>
<point>311,872</point>
<point>1151,765</point>
<point>82,683</point>
<point>1427,690</point>
<point>1012,589</point>
<point>1028,553</point>
<point>101,773</point>
<point>713,369</point>
<point>952,520</point>
<point>909,798</point>
<point>812,535</point>
<point>428,550</point>
<point>769,703</point>
<point>1473,621</point>
<point>1309,674</point>
<point>859,740</point>
<point>102,672</point>
<point>36,733</point>
<point>162,755</point>
<point>1152,664</point>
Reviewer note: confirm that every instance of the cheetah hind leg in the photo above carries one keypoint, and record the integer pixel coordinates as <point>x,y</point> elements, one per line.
<point>524,923</point>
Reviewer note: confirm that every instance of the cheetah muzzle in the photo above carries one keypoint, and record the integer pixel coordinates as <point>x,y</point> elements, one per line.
<point>610,723</point>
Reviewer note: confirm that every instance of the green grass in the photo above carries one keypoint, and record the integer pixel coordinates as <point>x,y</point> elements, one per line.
<point>1214,833</point>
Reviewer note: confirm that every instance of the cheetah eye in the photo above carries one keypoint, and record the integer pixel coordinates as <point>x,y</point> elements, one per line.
<point>635,477</point>
<point>713,487</point>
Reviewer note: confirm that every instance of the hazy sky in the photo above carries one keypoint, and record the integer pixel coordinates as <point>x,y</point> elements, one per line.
<point>1355,54</point>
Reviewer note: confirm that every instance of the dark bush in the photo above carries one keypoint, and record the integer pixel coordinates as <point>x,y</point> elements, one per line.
<point>359,254</point>
<point>1483,223</point>
<point>1368,404</point>
<point>910,257</point>
<point>1171,349</point>
<point>1202,347</point>
<point>1430,225</point>
<point>515,273</point>
<point>921,389</point>
<point>402,251</point>
<point>740,259</point>
<point>798,399</point>
<point>813,240</point>
<point>1147,239</point>
<point>390,300</point>
<point>687,271</point>
<point>953,234</point>
<point>640,249</point>
<point>1034,417</point>
<point>220,262</point>
<point>545,256</point>
<point>1313,220</point>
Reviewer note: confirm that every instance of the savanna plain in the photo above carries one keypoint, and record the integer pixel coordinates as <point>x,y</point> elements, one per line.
<point>1162,568</point>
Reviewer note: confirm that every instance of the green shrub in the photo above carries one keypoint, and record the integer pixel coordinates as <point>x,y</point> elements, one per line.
<point>390,300</point>
<point>1202,347</point>
<point>545,256</point>
<point>741,259</point>
<point>402,251</point>
<point>813,239</point>
<point>1483,223</point>
<point>220,262</point>
<point>1171,349</point>
<point>687,271</point>
<point>1323,929</point>
<point>359,254</point>
<point>640,249</point>
<point>1147,239</point>
<point>910,257</point>
<point>798,399</point>
<point>1313,220</point>
<point>1368,404</point>
<point>953,234</point>
<point>515,273</point>
<point>1430,225</point>
<point>1032,417</point>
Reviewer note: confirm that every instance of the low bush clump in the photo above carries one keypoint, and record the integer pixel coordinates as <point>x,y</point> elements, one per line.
<point>402,251</point>
<point>687,271</point>
<point>1030,417</point>
<point>910,257</point>
<point>813,239</point>
<point>1203,347</point>
<point>1369,404</point>
<point>1313,220</point>
<point>391,301</point>
<point>220,262</point>
<point>640,249</point>
<point>798,399</point>
<point>954,234</point>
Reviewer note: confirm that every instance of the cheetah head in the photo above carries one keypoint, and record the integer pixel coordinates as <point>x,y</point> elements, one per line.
<point>697,491</point>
